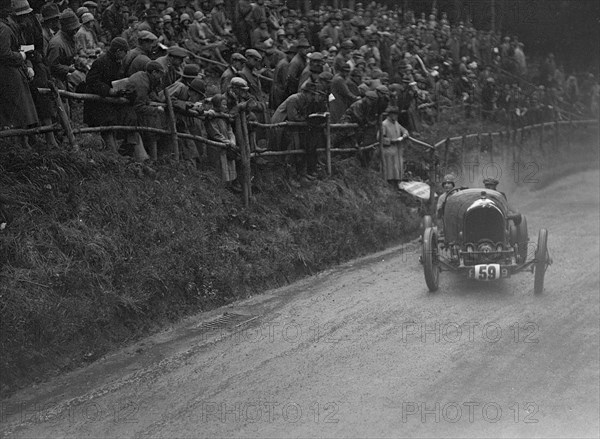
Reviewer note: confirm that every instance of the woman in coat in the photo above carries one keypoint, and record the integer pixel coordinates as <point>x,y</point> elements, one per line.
<point>32,34</point>
<point>219,130</point>
<point>17,109</point>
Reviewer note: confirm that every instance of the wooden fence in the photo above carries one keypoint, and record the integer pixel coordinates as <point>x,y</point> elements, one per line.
<point>241,128</point>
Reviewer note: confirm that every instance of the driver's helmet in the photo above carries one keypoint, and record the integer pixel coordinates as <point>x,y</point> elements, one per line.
<point>449,179</point>
<point>490,183</point>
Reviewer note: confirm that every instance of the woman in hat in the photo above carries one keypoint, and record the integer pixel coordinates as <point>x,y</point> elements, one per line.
<point>220,130</point>
<point>17,109</point>
<point>32,34</point>
<point>86,41</point>
<point>392,135</point>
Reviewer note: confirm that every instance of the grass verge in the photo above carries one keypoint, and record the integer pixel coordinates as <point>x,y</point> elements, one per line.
<point>99,251</point>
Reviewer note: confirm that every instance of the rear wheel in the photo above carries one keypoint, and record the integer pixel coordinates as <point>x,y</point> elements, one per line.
<point>542,261</point>
<point>523,239</point>
<point>430,259</point>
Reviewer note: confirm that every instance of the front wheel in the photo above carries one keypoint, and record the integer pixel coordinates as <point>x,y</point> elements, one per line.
<point>542,260</point>
<point>430,259</point>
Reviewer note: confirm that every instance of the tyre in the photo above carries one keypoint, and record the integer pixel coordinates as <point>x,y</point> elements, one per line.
<point>541,263</point>
<point>523,239</point>
<point>430,259</point>
<point>427,222</point>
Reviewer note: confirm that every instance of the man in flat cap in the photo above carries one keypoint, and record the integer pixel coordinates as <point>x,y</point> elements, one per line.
<point>235,67</point>
<point>172,62</point>
<point>296,67</point>
<point>344,97</point>
<point>147,85</point>
<point>99,80</point>
<point>253,62</point>
<point>137,58</point>
<point>62,51</point>
<point>313,69</point>
<point>279,86</point>
<point>294,109</point>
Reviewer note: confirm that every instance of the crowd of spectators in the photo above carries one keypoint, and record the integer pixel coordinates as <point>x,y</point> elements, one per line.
<point>276,63</point>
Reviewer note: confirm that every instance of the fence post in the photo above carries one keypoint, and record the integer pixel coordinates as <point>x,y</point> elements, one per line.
<point>328,142</point>
<point>65,121</point>
<point>172,125</point>
<point>245,153</point>
<point>446,147</point>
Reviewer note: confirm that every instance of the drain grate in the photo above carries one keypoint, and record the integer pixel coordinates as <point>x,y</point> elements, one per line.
<point>227,319</point>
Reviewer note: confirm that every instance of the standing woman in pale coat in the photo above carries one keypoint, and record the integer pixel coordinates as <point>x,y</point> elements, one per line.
<point>17,109</point>
<point>393,134</point>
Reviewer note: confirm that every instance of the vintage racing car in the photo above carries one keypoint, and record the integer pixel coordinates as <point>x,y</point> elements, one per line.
<point>479,235</point>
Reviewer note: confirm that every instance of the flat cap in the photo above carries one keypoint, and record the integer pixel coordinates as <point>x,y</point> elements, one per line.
<point>371,95</point>
<point>90,4</point>
<point>315,56</point>
<point>238,57</point>
<point>252,53</point>
<point>303,43</point>
<point>147,36</point>
<point>383,90</point>
<point>240,83</point>
<point>325,76</point>
<point>308,86</point>
<point>177,51</point>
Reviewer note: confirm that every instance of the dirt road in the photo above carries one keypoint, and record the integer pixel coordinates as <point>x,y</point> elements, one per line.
<point>363,351</point>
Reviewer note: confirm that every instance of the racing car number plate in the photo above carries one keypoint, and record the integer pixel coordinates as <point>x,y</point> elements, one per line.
<point>487,272</point>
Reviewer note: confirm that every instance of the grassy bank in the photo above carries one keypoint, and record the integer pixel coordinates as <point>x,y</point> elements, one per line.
<point>99,251</point>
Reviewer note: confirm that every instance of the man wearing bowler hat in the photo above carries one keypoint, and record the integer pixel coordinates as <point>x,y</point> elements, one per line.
<point>50,24</point>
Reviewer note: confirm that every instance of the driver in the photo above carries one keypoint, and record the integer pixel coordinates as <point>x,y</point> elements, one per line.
<point>491,183</point>
<point>447,184</point>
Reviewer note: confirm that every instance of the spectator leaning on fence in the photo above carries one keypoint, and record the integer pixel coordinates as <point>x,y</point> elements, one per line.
<point>17,109</point>
<point>99,80</point>
<point>187,95</point>
<point>147,85</point>
<point>220,130</point>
